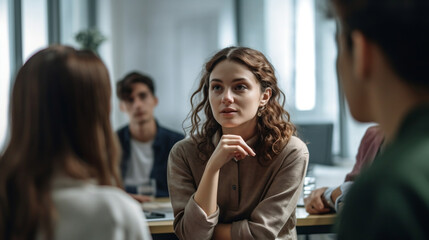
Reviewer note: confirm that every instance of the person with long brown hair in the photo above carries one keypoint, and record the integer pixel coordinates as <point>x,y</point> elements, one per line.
<point>59,176</point>
<point>239,175</point>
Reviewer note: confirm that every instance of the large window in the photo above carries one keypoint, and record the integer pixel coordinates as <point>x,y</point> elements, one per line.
<point>74,18</point>
<point>34,36</point>
<point>300,43</point>
<point>305,76</point>
<point>34,27</point>
<point>4,70</point>
<point>299,40</point>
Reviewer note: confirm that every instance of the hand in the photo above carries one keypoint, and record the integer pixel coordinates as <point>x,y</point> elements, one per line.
<point>315,204</point>
<point>141,198</point>
<point>229,146</point>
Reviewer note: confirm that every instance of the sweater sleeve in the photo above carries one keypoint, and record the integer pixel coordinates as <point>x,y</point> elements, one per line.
<point>190,221</point>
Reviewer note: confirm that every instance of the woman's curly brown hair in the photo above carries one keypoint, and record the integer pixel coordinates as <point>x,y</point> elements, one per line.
<point>274,127</point>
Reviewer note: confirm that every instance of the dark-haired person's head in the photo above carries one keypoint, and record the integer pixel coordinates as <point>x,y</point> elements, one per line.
<point>60,109</point>
<point>383,67</point>
<point>392,34</point>
<point>124,86</point>
<point>136,92</point>
<point>399,28</point>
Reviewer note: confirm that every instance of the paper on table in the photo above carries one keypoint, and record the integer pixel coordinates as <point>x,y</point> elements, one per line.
<point>157,206</point>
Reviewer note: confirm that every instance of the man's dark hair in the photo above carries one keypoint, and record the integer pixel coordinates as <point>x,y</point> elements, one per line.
<point>399,27</point>
<point>124,86</point>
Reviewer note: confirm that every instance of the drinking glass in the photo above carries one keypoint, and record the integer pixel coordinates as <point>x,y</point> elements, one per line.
<point>147,188</point>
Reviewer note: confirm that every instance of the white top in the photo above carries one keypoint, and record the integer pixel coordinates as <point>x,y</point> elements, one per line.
<point>141,163</point>
<point>85,210</point>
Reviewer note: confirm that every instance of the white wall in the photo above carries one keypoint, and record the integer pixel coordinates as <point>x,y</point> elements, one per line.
<point>170,41</point>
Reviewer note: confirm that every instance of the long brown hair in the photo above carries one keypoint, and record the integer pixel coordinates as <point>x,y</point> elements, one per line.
<point>60,110</point>
<point>273,128</point>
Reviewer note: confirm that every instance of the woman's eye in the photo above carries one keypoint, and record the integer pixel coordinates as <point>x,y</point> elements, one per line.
<point>241,87</point>
<point>216,87</point>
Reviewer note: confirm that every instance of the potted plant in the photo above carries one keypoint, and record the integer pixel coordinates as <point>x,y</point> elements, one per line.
<point>90,39</point>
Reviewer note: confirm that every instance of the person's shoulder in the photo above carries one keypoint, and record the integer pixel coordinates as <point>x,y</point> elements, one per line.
<point>375,185</point>
<point>124,136</point>
<point>389,178</point>
<point>170,133</point>
<point>373,134</point>
<point>122,130</point>
<point>186,148</point>
<point>112,193</point>
<point>89,201</point>
<point>402,158</point>
<point>116,198</point>
<point>373,130</point>
<point>399,161</point>
<point>184,144</point>
<point>118,206</point>
<point>105,196</point>
<point>296,144</point>
<point>294,150</point>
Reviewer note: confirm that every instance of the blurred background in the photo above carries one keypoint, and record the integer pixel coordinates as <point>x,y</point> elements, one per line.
<point>170,40</point>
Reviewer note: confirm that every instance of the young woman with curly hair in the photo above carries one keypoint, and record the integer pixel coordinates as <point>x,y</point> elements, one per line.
<point>239,174</point>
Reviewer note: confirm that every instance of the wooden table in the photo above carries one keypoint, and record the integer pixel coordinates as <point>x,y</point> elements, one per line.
<point>306,224</point>
<point>313,224</point>
<point>159,227</point>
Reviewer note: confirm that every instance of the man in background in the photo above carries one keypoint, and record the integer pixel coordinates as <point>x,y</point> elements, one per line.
<point>145,144</point>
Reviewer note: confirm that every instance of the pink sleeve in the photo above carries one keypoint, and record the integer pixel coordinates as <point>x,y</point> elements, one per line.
<point>368,149</point>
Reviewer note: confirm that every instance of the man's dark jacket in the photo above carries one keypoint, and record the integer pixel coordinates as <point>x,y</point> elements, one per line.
<point>162,144</point>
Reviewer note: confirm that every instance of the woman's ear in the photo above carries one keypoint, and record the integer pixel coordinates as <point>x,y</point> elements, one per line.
<point>362,55</point>
<point>265,97</point>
